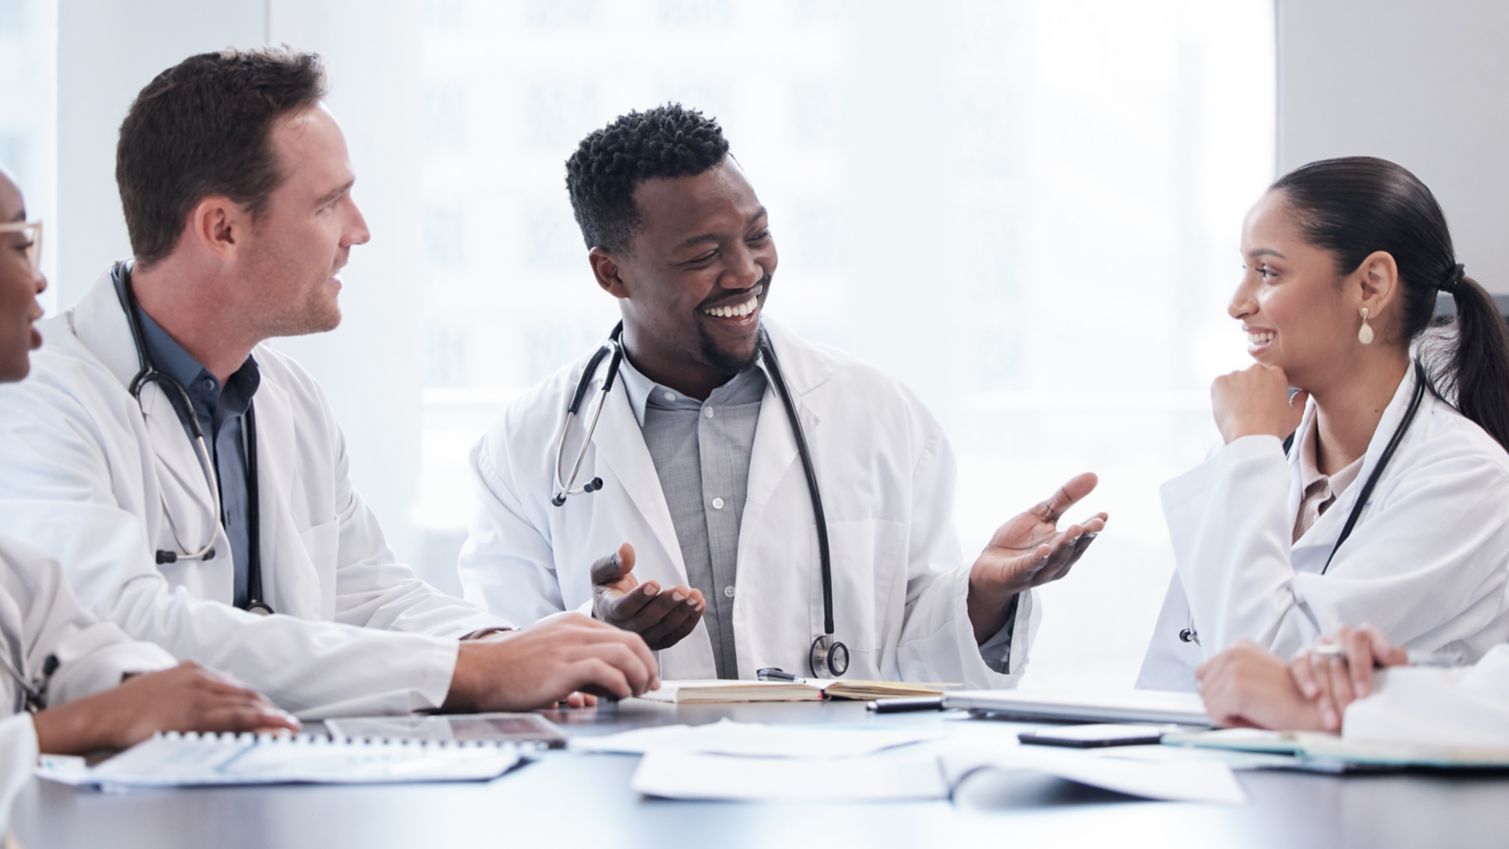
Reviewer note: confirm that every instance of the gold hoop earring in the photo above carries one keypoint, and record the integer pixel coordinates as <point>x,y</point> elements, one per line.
<point>1365,332</point>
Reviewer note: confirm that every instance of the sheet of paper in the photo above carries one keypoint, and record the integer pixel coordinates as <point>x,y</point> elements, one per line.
<point>690,775</point>
<point>1172,780</point>
<point>755,741</point>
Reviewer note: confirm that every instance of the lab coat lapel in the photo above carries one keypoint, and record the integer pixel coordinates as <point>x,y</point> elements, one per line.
<point>99,322</point>
<point>775,449</point>
<point>1328,527</point>
<point>620,447</point>
<point>290,580</point>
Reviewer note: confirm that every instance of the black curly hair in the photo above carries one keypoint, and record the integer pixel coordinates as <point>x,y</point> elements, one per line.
<point>666,141</point>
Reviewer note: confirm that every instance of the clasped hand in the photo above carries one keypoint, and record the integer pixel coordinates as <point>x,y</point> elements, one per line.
<point>1256,401</point>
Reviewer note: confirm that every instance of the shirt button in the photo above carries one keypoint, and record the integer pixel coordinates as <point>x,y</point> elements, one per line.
<point>708,412</point>
<point>728,592</point>
<point>717,503</point>
<point>670,396</point>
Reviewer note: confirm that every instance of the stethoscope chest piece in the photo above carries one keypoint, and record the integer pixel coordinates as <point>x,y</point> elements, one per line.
<point>829,658</point>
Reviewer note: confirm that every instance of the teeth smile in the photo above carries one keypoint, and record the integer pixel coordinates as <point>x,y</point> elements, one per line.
<point>737,311</point>
<point>1259,337</point>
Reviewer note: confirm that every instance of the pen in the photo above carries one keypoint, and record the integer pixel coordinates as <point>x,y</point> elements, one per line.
<point>774,673</point>
<point>900,705</point>
<point>1415,658</point>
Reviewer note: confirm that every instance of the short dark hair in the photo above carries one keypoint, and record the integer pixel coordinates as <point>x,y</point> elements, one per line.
<point>666,141</point>
<point>203,127</point>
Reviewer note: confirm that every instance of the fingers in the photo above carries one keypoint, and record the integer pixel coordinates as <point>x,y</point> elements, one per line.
<point>673,603</point>
<point>1302,670</point>
<point>237,716</point>
<point>676,625</point>
<point>615,567</point>
<point>594,674</point>
<point>1359,649</point>
<point>631,605</point>
<point>636,673</point>
<point>1076,488</point>
<point>1385,653</point>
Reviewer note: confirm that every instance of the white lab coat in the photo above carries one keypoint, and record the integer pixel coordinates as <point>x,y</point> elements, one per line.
<point>1466,706</point>
<point>1427,562</point>
<point>86,472</point>
<point>18,757</point>
<point>887,478</point>
<point>40,618</point>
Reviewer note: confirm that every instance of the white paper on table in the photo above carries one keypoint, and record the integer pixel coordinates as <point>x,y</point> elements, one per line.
<point>891,777</point>
<point>752,740</point>
<point>1184,780</point>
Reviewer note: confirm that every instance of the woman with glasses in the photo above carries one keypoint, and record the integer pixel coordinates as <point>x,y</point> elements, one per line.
<point>70,680</point>
<point>1378,492</point>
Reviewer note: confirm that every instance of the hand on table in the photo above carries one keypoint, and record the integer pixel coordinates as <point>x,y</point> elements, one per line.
<point>1246,686</point>
<point>187,697</point>
<point>564,657</point>
<point>1339,669</point>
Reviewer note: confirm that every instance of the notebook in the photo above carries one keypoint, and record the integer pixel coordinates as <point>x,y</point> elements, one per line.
<point>191,760</point>
<point>493,727</point>
<point>1332,752</point>
<point>713,690</point>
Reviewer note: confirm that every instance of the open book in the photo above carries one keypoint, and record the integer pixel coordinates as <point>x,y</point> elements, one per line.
<point>188,760</point>
<point>713,690</point>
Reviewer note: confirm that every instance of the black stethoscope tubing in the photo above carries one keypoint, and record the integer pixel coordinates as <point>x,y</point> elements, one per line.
<point>826,652</point>
<point>1190,635</point>
<point>183,407</point>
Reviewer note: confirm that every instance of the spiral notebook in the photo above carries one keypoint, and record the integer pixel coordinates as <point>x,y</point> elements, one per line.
<point>192,760</point>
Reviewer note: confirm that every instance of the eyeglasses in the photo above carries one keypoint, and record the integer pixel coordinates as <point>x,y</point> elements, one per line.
<point>31,231</point>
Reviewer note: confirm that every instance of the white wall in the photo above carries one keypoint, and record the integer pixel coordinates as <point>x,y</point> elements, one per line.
<point>107,51</point>
<point>1424,83</point>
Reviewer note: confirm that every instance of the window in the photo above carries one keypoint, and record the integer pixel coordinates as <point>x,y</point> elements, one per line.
<point>1028,212</point>
<point>28,113</point>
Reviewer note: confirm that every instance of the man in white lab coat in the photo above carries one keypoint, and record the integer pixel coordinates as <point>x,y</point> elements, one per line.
<point>179,469</point>
<point>61,668</point>
<point>696,460</point>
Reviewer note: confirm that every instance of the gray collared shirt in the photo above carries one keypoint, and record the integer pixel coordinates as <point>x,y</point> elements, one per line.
<point>221,414</point>
<point>701,451</point>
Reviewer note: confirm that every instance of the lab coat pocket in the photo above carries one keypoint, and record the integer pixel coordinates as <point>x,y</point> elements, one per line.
<point>321,544</point>
<point>868,555</point>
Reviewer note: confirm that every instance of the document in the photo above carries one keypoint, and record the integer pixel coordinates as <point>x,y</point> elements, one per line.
<point>756,741</point>
<point>189,760</point>
<point>922,772</point>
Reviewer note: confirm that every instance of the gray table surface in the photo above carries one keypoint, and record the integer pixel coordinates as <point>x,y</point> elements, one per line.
<point>571,799</point>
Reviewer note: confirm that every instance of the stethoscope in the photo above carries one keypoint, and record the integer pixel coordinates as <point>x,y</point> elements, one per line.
<point>1189,634</point>
<point>827,655</point>
<point>33,695</point>
<point>183,407</point>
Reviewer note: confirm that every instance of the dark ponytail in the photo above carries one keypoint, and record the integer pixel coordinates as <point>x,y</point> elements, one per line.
<point>1357,205</point>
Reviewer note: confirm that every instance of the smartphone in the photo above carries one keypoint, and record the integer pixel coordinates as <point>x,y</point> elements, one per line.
<point>1094,736</point>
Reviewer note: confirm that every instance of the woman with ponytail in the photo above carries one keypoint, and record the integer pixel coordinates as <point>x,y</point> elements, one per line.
<point>1379,492</point>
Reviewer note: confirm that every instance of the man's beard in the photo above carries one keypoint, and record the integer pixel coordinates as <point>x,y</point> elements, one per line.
<point>721,360</point>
